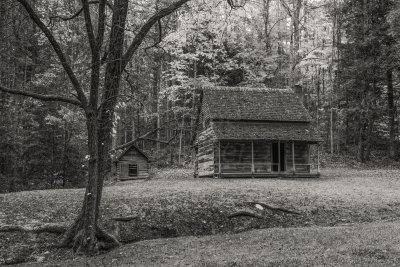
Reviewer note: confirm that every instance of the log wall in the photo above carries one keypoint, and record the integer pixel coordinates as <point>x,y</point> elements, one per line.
<point>205,153</point>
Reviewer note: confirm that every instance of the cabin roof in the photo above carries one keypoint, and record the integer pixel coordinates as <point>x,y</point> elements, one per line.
<point>270,131</point>
<point>129,148</point>
<point>256,104</point>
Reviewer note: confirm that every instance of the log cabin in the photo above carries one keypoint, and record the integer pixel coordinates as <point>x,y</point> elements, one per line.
<point>253,132</point>
<point>132,164</point>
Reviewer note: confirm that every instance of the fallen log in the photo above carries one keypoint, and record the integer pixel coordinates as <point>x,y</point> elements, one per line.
<point>35,228</point>
<point>266,206</point>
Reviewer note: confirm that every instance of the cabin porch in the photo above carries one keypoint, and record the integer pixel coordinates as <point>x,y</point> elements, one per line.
<point>264,159</point>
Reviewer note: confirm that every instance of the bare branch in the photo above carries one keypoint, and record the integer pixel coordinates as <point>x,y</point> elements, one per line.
<point>101,24</point>
<point>41,97</point>
<point>159,37</point>
<point>32,14</point>
<point>137,41</point>
<point>145,137</point>
<point>272,27</point>
<point>304,56</point>
<point>285,5</point>
<point>89,26</point>
<point>233,5</point>
<point>166,142</point>
<point>77,13</point>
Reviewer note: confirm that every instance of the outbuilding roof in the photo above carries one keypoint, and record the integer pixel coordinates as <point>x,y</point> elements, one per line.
<point>256,104</point>
<point>131,146</point>
<point>269,131</point>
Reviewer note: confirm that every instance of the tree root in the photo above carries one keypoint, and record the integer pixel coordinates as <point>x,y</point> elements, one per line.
<point>110,241</point>
<point>266,206</point>
<point>35,228</point>
<point>72,236</point>
<point>125,219</point>
<point>244,213</point>
<point>102,240</point>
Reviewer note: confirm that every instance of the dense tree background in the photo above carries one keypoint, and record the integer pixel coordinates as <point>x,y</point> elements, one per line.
<point>341,56</point>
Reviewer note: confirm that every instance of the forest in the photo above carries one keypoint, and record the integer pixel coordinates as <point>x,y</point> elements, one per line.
<point>79,80</point>
<point>342,56</point>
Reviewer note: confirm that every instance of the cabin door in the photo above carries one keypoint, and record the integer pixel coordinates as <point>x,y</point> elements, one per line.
<point>278,157</point>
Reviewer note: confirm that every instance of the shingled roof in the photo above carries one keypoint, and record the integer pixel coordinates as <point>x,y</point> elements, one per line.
<point>263,104</point>
<point>269,131</point>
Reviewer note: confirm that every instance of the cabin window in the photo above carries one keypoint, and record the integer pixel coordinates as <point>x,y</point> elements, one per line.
<point>132,170</point>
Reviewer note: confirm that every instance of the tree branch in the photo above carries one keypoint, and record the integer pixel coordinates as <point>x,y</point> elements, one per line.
<point>41,97</point>
<point>77,13</point>
<point>166,142</point>
<point>276,22</point>
<point>285,5</point>
<point>137,41</point>
<point>145,137</point>
<point>304,56</point>
<point>233,5</point>
<point>32,14</point>
<point>159,37</point>
<point>89,26</point>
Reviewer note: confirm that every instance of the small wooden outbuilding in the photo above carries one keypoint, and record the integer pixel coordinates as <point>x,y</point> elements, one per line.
<point>131,164</point>
<point>253,132</point>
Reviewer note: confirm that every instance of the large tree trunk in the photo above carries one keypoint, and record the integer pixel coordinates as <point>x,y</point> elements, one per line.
<point>82,234</point>
<point>295,41</point>
<point>157,72</point>
<point>266,6</point>
<point>85,232</point>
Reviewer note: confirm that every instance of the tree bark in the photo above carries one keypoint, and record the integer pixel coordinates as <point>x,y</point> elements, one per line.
<point>266,6</point>
<point>295,40</point>
<point>85,233</point>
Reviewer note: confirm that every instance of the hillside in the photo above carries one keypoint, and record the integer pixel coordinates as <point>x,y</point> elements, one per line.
<point>174,204</point>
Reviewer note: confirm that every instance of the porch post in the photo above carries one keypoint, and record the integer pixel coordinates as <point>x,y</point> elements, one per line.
<point>294,166</point>
<point>309,157</point>
<point>219,159</point>
<point>252,158</point>
<point>318,158</point>
<point>279,156</point>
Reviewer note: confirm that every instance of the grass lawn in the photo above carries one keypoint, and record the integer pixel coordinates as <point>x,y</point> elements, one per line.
<point>372,244</point>
<point>174,204</point>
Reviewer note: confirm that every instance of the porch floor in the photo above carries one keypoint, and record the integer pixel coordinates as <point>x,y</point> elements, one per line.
<point>265,175</point>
